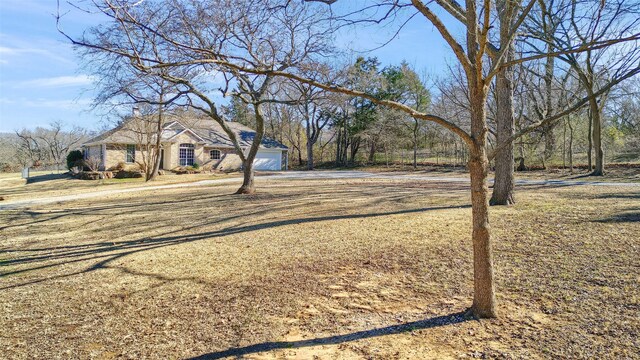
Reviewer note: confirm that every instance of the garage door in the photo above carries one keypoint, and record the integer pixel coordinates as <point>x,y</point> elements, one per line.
<point>268,160</point>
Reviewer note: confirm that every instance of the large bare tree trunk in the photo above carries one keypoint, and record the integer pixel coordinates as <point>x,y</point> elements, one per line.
<point>247,164</point>
<point>484,293</point>
<point>156,149</point>
<point>248,186</point>
<point>597,138</point>
<point>590,145</point>
<point>309,154</point>
<point>504,185</point>
<point>570,146</point>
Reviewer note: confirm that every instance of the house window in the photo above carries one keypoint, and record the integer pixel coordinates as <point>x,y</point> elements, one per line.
<point>131,153</point>
<point>215,154</point>
<point>186,154</point>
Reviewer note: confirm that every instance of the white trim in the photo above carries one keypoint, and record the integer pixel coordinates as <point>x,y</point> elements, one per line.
<point>170,124</point>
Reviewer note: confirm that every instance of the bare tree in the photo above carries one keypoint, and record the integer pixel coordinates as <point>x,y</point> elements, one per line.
<point>49,146</point>
<point>168,39</point>
<point>282,54</point>
<point>504,185</point>
<point>30,151</point>
<point>478,74</point>
<point>417,96</point>
<point>121,86</point>
<point>93,163</point>
<point>312,104</point>
<point>585,24</point>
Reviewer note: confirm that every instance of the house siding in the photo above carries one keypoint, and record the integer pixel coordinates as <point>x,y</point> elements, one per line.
<point>116,153</point>
<point>229,159</point>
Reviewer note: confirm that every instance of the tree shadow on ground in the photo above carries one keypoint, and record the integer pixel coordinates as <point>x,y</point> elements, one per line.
<point>106,252</point>
<point>47,177</point>
<point>240,352</point>
<point>618,196</point>
<point>43,216</point>
<point>633,216</point>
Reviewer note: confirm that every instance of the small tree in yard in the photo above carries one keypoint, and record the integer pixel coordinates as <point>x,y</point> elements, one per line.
<point>146,132</point>
<point>404,85</point>
<point>93,163</point>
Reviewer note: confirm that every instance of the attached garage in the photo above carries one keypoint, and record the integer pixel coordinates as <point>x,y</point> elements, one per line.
<point>268,159</point>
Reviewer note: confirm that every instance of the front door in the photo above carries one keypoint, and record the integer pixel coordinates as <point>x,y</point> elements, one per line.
<point>161,159</point>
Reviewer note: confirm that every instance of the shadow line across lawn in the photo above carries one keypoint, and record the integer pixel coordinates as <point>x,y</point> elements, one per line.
<point>109,251</point>
<point>438,321</point>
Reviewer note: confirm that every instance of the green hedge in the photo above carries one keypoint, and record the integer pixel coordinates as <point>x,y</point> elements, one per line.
<point>74,158</point>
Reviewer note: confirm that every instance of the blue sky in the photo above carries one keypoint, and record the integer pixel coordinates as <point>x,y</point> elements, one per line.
<point>41,81</point>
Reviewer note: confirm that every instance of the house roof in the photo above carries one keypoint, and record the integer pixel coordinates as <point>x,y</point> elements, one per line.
<point>207,131</point>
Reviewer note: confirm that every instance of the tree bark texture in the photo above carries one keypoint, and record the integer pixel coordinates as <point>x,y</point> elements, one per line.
<point>597,138</point>
<point>309,154</point>
<point>156,149</point>
<point>504,185</point>
<point>248,186</point>
<point>484,291</point>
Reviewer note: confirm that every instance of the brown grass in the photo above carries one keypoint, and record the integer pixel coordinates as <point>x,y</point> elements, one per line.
<point>333,269</point>
<point>614,172</point>
<point>44,184</point>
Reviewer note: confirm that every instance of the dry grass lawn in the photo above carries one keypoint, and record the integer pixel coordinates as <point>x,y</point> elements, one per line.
<point>332,269</point>
<point>614,172</point>
<point>45,184</point>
